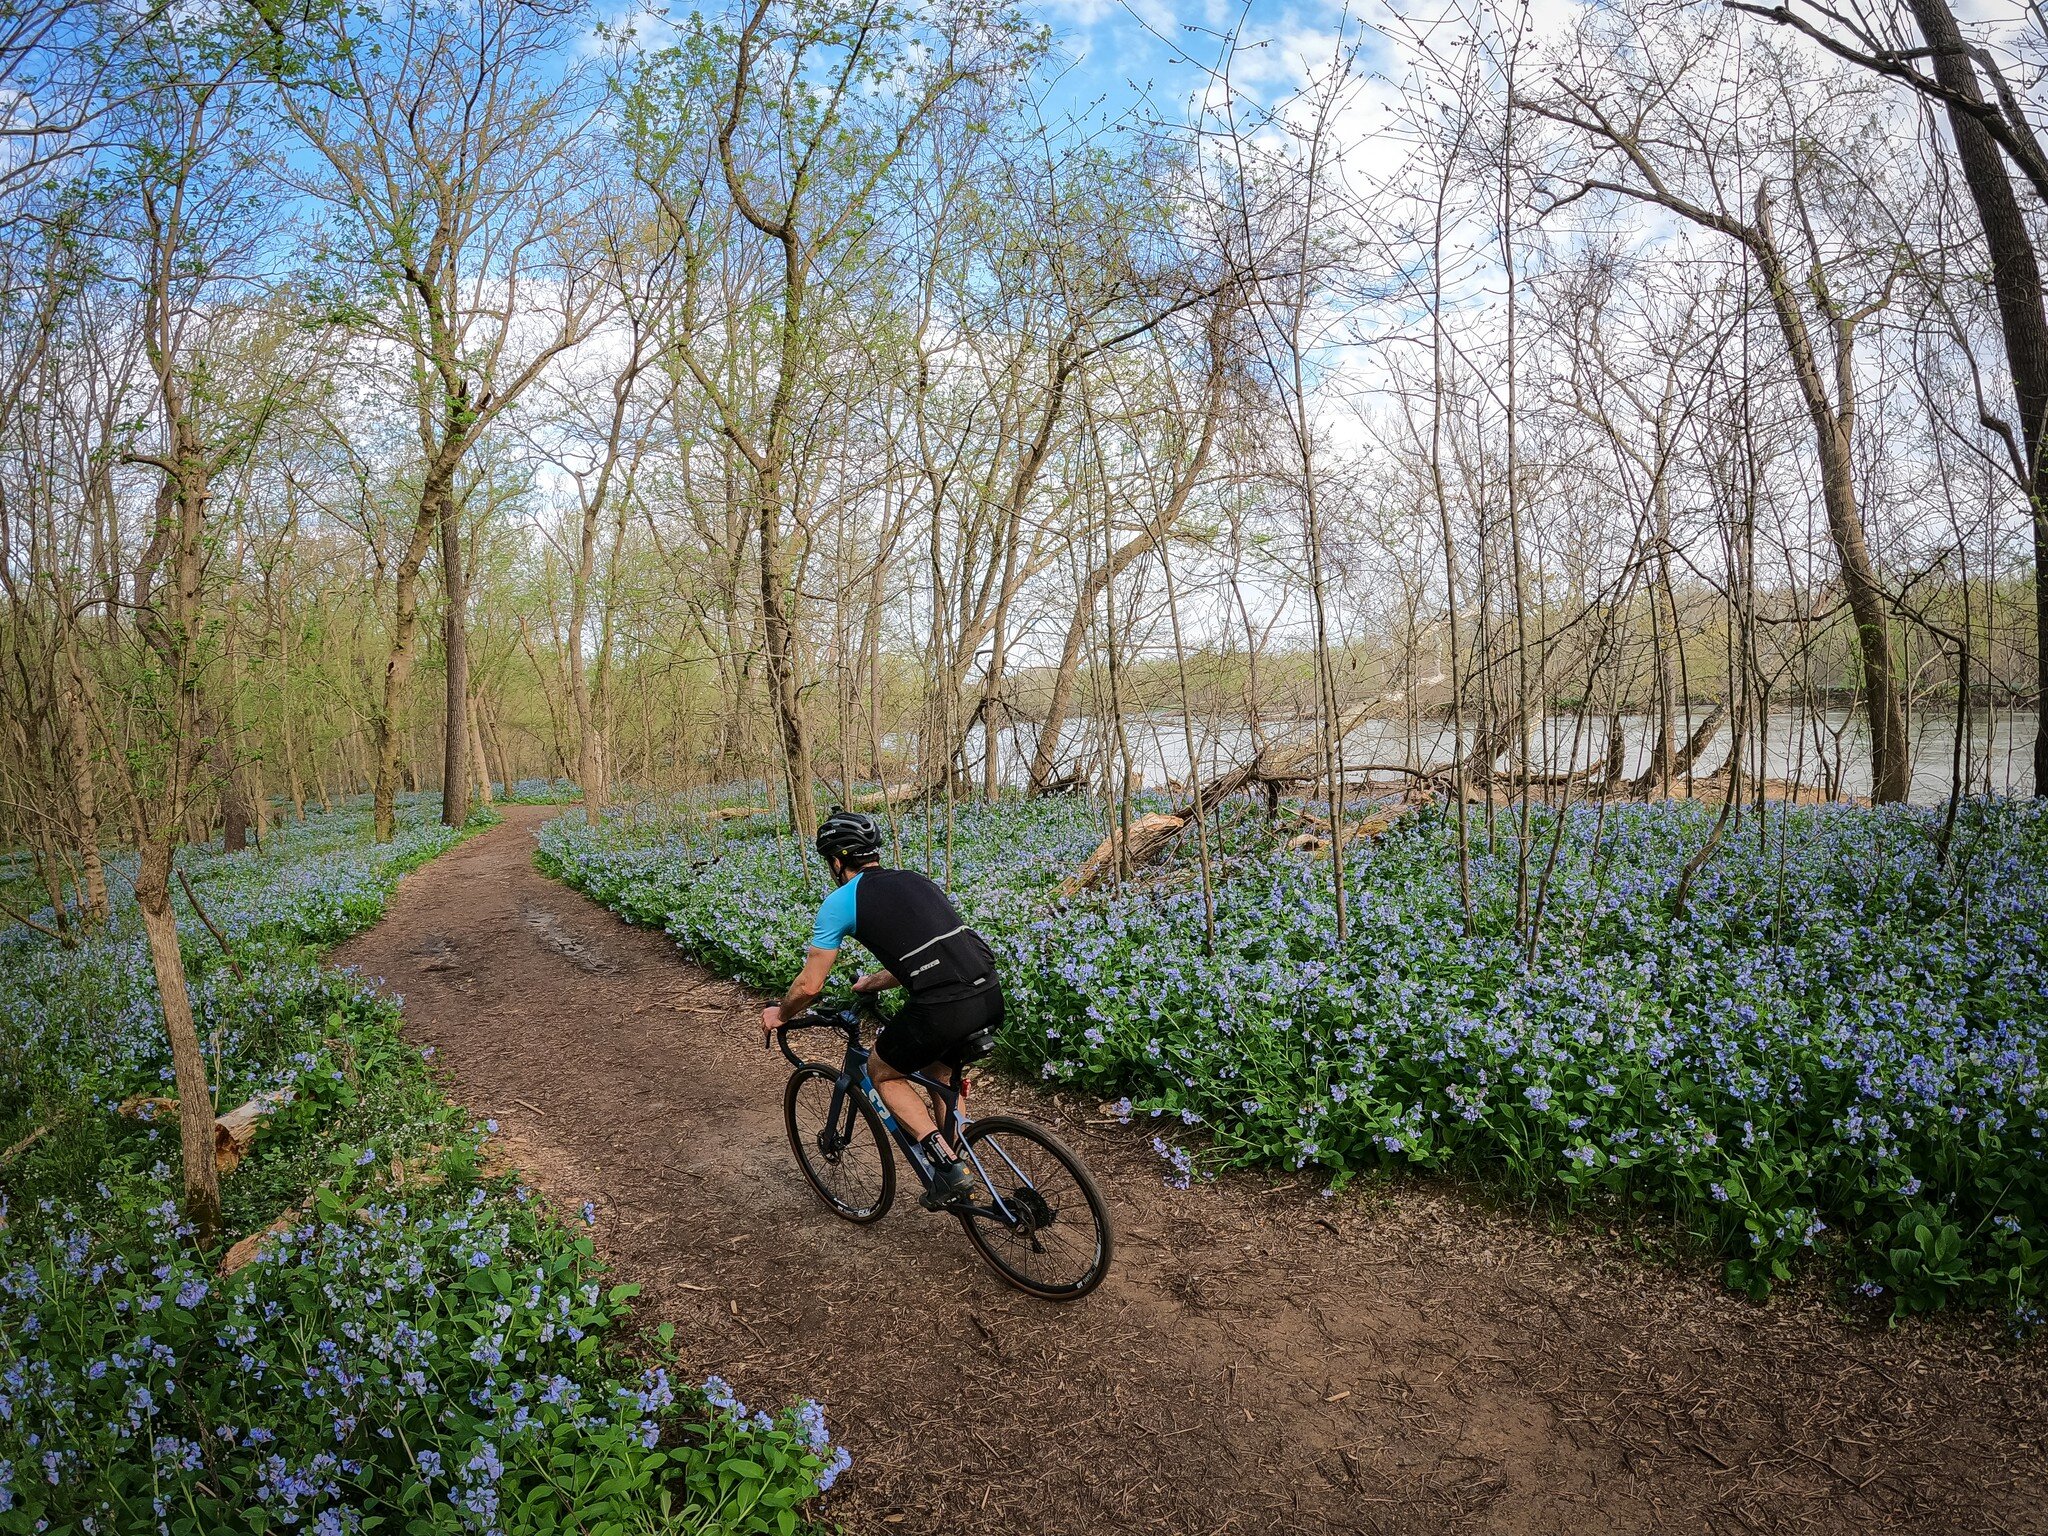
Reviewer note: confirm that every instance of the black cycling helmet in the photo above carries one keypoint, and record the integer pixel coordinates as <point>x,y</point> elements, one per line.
<point>850,836</point>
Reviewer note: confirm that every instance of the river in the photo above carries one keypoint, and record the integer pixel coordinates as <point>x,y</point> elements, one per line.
<point>1827,749</point>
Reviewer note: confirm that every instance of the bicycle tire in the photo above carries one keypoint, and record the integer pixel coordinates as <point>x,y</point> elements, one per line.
<point>806,1104</point>
<point>999,1143</point>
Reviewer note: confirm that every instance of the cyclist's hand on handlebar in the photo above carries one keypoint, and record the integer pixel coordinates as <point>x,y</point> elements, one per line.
<point>771,1019</point>
<point>874,981</point>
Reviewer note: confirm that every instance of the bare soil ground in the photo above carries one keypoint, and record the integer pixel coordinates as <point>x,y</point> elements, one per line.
<point>1262,1360</point>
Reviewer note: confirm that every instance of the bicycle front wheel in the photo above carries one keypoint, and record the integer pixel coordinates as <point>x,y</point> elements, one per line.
<point>1056,1241</point>
<point>846,1155</point>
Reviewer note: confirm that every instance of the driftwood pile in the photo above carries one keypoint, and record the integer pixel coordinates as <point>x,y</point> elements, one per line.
<point>1281,765</point>
<point>1285,765</point>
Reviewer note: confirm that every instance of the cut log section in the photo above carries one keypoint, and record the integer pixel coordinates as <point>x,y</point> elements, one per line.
<point>234,1133</point>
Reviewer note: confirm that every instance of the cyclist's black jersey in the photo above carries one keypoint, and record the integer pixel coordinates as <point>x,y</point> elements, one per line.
<point>907,923</point>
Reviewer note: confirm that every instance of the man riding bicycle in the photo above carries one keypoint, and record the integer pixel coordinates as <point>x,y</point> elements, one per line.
<point>926,948</point>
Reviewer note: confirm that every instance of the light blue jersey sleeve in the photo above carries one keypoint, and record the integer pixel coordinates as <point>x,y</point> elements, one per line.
<point>835,919</point>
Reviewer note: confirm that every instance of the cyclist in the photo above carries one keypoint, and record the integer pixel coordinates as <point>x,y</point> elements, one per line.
<point>926,948</point>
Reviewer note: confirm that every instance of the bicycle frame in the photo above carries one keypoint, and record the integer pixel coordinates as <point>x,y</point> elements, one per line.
<point>853,1076</point>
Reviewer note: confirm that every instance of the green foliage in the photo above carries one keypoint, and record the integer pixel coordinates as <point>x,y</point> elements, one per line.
<point>1840,1045</point>
<point>418,1349</point>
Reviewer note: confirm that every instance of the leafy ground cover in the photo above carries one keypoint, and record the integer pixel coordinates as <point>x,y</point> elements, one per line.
<point>543,792</point>
<point>1836,1045</point>
<point>421,1349</point>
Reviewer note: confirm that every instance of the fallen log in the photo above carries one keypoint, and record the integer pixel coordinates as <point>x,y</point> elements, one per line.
<point>1281,763</point>
<point>893,795</point>
<point>1149,838</point>
<point>246,1251</point>
<point>233,1133</point>
<point>26,1142</point>
<point>1317,838</point>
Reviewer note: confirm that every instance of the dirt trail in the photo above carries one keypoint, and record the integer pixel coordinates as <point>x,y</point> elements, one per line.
<point>1261,1360</point>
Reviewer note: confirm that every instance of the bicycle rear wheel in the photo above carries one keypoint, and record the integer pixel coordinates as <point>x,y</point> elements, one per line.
<point>845,1157</point>
<point>1058,1241</point>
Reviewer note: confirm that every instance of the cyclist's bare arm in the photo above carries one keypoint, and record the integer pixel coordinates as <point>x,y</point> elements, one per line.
<point>804,991</point>
<point>876,981</point>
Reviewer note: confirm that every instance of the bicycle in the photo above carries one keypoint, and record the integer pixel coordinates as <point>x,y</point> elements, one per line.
<point>1043,1226</point>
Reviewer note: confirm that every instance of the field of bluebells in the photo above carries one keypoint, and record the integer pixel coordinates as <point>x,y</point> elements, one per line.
<point>1834,1052</point>
<point>422,1349</point>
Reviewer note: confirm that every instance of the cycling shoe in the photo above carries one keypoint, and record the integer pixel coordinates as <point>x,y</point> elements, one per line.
<point>953,1186</point>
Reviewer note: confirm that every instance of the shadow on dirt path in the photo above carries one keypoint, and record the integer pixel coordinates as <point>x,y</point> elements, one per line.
<point>1261,1360</point>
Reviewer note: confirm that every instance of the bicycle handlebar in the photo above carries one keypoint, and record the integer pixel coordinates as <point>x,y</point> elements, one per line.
<point>847,1022</point>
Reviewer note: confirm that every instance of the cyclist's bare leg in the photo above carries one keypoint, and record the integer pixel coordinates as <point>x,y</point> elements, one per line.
<point>951,1077</point>
<point>905,1102</point>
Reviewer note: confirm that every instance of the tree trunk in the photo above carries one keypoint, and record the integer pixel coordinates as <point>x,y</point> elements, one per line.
<point>589,745</point>
<point>2016,282</point>
<point>398,662</point>
<point>188,1061</point>
<point>476,756</point>
<point>1663,754</point>
<point>234,806</point>
<point>455,647</point>
<point>246,768</point>
<point>497,742</point>
<point>1833,423</point>
<point>84,793</point>
<point>782,679</point>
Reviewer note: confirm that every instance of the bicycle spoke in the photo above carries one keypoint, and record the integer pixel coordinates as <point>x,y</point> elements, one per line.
<point>840,1152</point>
<point>1054,1241</point>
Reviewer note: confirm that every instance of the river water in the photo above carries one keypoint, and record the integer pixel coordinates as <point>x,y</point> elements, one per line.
<point>1826,749</point>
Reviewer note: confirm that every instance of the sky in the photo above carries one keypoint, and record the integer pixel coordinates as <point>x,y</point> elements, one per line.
<point>1125,53</point>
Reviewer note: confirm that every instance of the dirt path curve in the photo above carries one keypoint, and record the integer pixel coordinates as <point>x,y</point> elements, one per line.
<point>1262,1361</point>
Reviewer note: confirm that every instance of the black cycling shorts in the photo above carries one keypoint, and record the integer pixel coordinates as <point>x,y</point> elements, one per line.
<point>924,1033</point>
